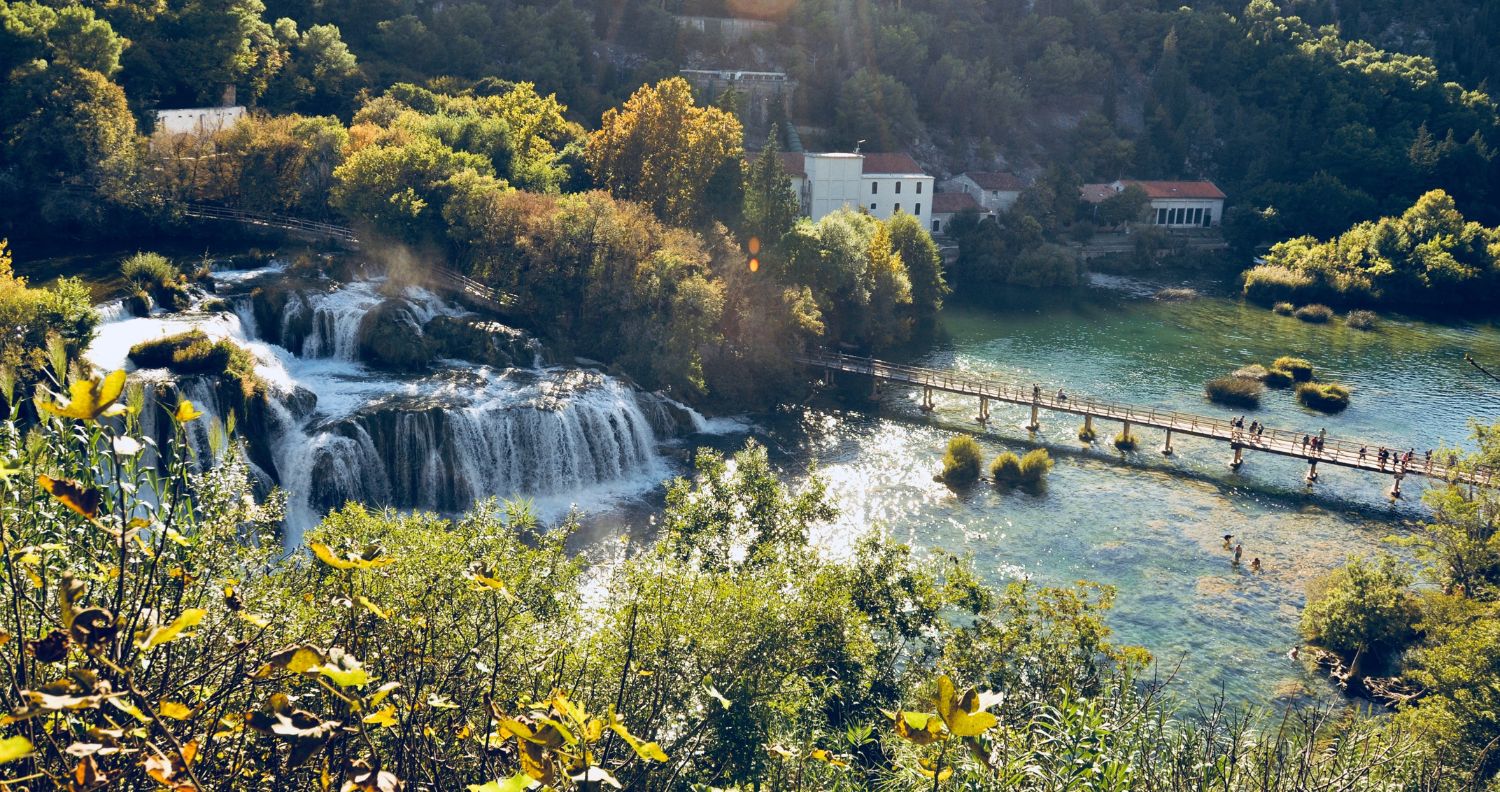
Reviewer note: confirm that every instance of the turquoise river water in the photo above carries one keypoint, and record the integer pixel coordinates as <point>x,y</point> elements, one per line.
<point>1151,526</point>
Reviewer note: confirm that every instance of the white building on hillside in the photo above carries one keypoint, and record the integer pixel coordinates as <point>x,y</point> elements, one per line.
<point>881,184</point>
<point>946,205</point>
<point>1174,204</point>
<point>198,121</point>
<point>995,191</point>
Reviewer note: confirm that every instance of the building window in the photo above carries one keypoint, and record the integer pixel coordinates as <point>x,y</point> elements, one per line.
<point>919,188</point>
<point>898,188</point>
<point>918,211</point>
<point>874,187</point>
<point>872,207</point>
<point>898,207</point>
<point>1208,218</point>
<point>1161,217</point>
<point>937,226</point>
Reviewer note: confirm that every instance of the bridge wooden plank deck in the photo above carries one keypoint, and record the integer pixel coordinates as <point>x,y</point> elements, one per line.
<point>1344,453</point>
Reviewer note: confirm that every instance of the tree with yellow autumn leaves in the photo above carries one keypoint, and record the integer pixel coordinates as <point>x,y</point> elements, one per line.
<point>663,150</point>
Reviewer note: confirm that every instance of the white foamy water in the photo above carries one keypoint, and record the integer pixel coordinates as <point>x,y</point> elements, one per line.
<point>440,440</point>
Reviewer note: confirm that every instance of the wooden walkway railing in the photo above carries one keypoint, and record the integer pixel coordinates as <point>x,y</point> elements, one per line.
<point>1347,453</point>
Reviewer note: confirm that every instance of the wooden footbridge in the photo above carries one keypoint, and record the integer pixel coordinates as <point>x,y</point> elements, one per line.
<point>1345,453</point>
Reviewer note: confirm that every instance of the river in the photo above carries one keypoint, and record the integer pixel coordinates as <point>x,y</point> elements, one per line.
<point>1148,525</point>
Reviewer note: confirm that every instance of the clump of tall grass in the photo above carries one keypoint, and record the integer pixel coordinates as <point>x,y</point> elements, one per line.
<point>148,270</point>
<point>1328,397</point>
<point>1278,378</point>
<point>1086,434</point>
<point>1029,469</point>
<point>194,352</point>
<point>1270,282</point>
<point>962,461</point>
<point>1315,313</point>
<point>1178,295</point>
<point>1283,308</point>
<point>1233,391</point>
<point>1125,441</point>
<point>1300,369</point>
<point>1362,320</point>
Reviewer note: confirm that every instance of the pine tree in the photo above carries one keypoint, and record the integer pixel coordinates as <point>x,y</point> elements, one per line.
<point>771,208</point>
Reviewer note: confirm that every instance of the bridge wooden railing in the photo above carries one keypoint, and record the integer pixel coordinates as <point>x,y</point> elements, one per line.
<point>1287,443</point>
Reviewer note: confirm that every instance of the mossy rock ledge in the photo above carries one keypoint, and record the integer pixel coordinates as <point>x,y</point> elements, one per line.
<point>390,337</point>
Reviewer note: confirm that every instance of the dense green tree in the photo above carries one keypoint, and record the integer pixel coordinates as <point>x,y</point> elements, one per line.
<point>771,208</point>
<point>924,264</point>
<point>399,188</point>
<point>1363,608</point>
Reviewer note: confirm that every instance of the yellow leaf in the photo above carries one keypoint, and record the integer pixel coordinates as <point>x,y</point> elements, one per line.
<point>13,748</point>
<point>373,608</point>
<point>327,556</point>
<point>174,710</point>
<point>253,619</point>
<point>649,751</point>
<point>385,716</point>
<point>186,412</point>
<point>960,712</point>
<point>828,758</point>
<point>381,692</point>
<point>171,632</point>
<point>90,398</point>
<point>83,500</point>
<point>919,728</point>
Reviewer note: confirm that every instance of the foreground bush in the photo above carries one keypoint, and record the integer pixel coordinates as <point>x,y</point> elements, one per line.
<point>1315,313</point>
<point>1362,320</point>
<point>1283,308</point>
<point>962,461</point>
<point>1125,442</point>
<point>1364,607</point>
<point>1300,369</point>
<point>1234,391</point>
<point>1323,396</point>
<point>408,651</point>
<point>38,328</point>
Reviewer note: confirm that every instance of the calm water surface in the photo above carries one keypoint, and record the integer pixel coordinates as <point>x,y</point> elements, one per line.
<point>1153,527</point>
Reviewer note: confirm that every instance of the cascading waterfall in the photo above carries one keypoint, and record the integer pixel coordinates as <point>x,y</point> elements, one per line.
<point>338,430</point>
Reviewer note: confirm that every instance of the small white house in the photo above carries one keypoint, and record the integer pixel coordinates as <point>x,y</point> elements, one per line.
<point>198,121</point>
<point>945,205</point>
<point>994,190</point>
<point>880,184</point>
<point>1174,204</point>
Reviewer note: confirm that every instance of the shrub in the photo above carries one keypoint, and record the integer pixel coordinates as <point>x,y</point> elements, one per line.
<point>160,352</point>
<point>1006,467</point>
<point>1235,391</point>
<point>1362,606</point>
<point>1125,442</point>
<point>1086,434</point>
<point>203,357</point>
<point>1300,369</point>
<point>1362,320</point>
<point>149,271</point>
<point>1283,308</point>
<point>1315,313</point>
<point>1036,464</point>
<point>1277,378</point>
<point>1326,397</point>
<point>1270,282</point>
<point>962,462</point>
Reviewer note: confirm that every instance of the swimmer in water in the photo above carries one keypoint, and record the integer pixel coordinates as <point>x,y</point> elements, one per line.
<point>1255,565</point>
<point>1227,537</point>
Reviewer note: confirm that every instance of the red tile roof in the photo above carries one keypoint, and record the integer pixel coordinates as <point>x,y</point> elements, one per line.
<point>1203,189</point>
<point>954,202</point>
<point>997,180</point>
<point>891,163</point>
<point>793,163</point>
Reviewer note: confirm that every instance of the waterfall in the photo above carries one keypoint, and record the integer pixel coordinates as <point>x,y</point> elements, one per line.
<point>335,430</point>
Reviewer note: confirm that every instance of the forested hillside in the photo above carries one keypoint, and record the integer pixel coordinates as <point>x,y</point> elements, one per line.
<point>1308,126</point>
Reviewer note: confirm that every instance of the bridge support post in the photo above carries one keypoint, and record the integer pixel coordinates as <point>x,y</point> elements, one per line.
<point>927,405</point>
<point>1239,456</point>
<point>1312,470</point>
<point>1035,420</point>
<point>1166,449</point>
<point>1396,487</point>
<point>984,409</point>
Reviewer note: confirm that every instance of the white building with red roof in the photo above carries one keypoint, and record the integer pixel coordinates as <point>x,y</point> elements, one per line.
<point>880,184</point>
<point>1174,204</point>
<point>947,205</point>
<point>996,191</point>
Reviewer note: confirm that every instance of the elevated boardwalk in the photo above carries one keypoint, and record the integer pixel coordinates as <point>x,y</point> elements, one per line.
<point>1344,453</point>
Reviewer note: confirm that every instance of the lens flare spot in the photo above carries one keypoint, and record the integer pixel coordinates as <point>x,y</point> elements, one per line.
<point>754,264</point>
<point>754,246</point>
